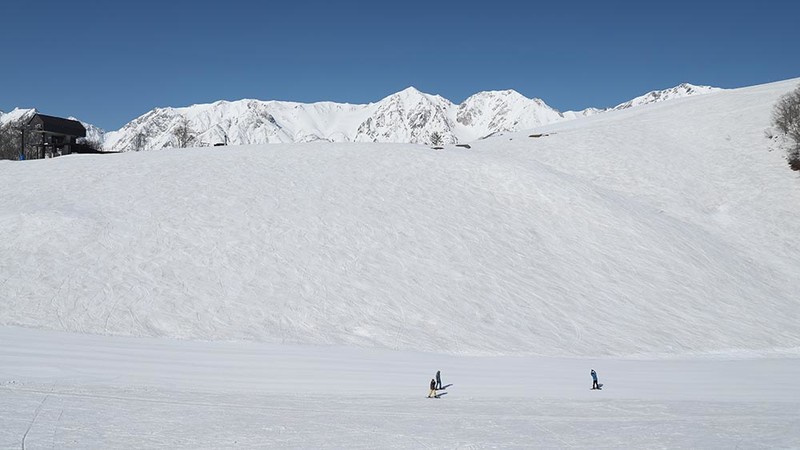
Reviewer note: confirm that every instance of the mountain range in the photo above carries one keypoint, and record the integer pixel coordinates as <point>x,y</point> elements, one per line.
<point>408,116</point>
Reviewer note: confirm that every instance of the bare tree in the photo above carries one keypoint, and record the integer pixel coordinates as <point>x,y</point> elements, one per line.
<point>183,133</point>
<point>9,142</point>
<point>93,145</point>
<point>786,117</point>
<point>139,141</point>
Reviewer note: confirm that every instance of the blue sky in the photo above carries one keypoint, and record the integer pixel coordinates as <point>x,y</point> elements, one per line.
<point>108,62</point>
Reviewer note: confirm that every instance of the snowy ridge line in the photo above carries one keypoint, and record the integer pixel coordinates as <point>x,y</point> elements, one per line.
<point>408,116</point>
<point>680,91</point>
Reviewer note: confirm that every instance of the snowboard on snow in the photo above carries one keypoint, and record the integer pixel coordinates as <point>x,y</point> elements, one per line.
<point>598,388</point>
<point>441,389</point>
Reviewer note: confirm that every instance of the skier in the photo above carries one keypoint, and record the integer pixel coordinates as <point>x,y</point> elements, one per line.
<point>594,380</point>
<point>438,379</point>
<point>432,393</point>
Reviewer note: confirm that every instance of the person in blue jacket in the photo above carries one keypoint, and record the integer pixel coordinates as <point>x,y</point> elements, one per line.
<point>594,380</point>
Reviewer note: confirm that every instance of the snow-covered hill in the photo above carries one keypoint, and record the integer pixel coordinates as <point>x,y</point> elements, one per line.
<point>408,116</point>
<point>666,229</point>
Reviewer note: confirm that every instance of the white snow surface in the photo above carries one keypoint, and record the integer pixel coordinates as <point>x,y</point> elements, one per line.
<point>71,391</point>
<point>666,229</point>
<point>656,245</point>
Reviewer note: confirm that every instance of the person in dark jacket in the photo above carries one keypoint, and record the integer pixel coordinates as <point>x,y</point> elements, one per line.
<point>594,380</point>
<point>438,379</point>
<point>432,393</point>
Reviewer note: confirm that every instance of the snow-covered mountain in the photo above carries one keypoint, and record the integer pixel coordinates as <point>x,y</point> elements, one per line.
<point>491,112</point>
<point>93,133</point>
<point>588,112</point>
<point>679,91</point>
<point>16,116</point>
<point>409,116</point>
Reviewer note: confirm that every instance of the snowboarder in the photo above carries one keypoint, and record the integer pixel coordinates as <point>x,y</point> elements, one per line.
<point>432,393</point>
<point>438,379</point>
<point>594,380</point>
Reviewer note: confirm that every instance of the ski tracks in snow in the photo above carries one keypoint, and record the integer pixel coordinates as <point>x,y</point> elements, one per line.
<point>33,420</point>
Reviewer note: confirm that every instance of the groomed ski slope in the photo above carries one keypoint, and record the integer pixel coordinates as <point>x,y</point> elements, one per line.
<point>664,229</point>
<point>73,391</point>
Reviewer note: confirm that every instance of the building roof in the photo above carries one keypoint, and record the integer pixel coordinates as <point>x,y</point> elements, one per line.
<point>59,125</point>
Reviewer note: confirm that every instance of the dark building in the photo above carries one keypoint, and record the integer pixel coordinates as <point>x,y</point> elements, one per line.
<point>53,136</point>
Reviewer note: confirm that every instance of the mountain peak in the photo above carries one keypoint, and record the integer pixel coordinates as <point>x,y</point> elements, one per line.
<point>413,93</point>
<point>411,90</point>
<point>505,93</point>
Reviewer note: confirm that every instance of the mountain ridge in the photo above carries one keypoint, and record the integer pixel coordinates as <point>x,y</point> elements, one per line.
<point>407,116</point>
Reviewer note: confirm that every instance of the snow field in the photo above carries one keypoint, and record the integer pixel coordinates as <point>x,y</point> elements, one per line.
<point>61,390</point>
<point>663,229</point>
